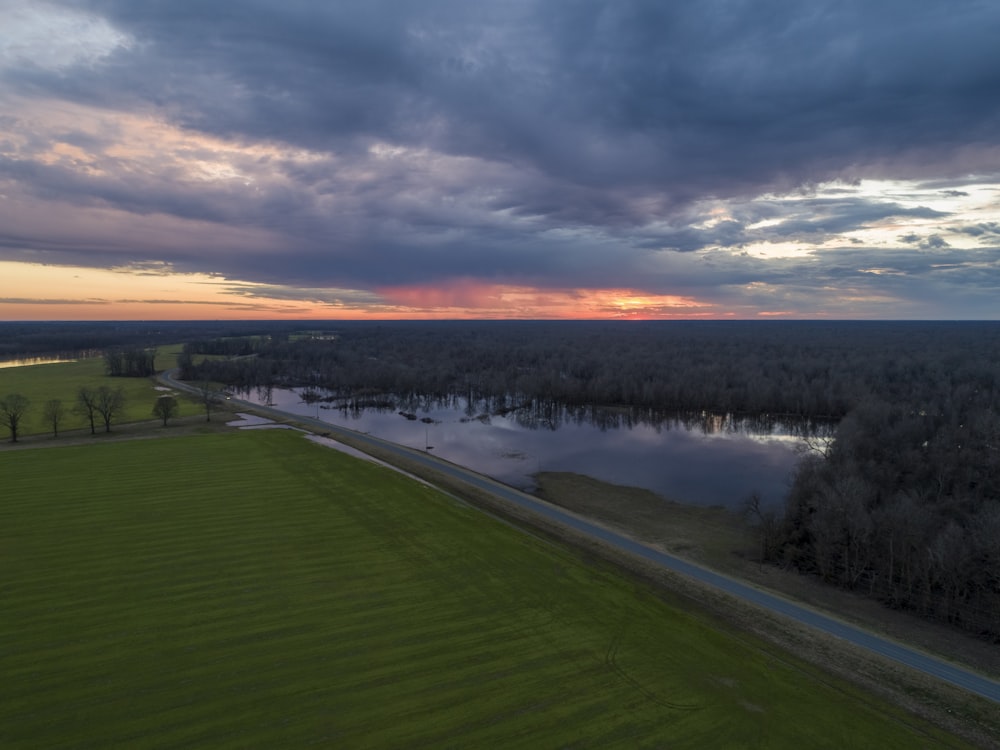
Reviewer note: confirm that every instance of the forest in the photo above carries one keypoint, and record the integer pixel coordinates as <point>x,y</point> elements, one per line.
<point>903,505</point>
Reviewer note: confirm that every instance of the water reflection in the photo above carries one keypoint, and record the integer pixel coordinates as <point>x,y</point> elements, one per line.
<point>28,361</point>
<point>699,458</point>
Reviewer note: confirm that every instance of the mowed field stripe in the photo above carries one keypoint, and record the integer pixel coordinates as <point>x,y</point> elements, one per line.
<point>257,589</point>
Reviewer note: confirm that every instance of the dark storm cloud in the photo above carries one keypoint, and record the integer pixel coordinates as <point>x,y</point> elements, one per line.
<point>905,283</point>
<point>119,190</point>
<point>930,242</point>
<point>559,143</point>
<point>715,96</point>
<point>986,231</point>
<point>828,216</point>
<point>807,220</point>
<point>935,241</point>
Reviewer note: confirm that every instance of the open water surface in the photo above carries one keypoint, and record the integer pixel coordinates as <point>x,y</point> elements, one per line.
<point>702,460</point>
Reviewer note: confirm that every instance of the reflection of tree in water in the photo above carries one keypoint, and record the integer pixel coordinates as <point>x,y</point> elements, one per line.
<point>550,414</point>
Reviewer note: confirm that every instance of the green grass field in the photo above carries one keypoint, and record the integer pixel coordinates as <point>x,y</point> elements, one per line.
<point>62,380</point>
<point>255,590</point>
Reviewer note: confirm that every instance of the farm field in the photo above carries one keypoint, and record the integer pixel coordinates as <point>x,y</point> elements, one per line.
<point>254,589</point>
<point>62,380</point>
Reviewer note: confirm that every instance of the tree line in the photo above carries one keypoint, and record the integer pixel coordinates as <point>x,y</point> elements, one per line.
<point>802,370</point>
<point>130,361</point>
<point>905,507</point>
<point>807,369</point>
<point>73,338</point>
<point>98,405</point>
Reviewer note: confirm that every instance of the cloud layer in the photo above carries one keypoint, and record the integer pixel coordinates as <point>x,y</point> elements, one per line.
<point>822,158</point>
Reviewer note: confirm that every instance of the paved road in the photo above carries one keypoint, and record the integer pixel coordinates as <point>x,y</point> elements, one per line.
<point>952,673</point>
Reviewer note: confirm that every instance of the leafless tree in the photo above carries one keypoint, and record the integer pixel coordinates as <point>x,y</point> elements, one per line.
<point>209,398</point>
<point>86,404</point>
<point>767,523</point>
<point>12,409</point>
<point>109,403</point>
<point>54,413</point>
<point>130,361</point>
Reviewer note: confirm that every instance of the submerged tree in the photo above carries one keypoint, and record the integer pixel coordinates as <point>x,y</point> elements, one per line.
<point>12,409</point>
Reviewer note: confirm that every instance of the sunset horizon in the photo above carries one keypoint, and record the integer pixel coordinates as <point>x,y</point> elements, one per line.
<point>504,161</point>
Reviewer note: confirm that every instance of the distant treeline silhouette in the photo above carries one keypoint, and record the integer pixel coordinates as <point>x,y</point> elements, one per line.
<point>73,338</point>
<point>803,369</point>
<point>130,361</point>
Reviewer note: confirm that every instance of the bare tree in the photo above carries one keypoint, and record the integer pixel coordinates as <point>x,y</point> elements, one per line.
<point>209,398</point>
<point>54,413</point>
<point>767,523</point>
<point>109,403</point>
<point>130,361</point>
<point>114,361</point>
<point>86,404</point>
<point>12,409</point>
<point>842,529</point>
<point>165,407</point>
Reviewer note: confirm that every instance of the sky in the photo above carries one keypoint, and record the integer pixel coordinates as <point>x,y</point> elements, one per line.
<point>383,159</point>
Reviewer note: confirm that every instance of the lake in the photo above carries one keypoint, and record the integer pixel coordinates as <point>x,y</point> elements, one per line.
<point>703,459</point>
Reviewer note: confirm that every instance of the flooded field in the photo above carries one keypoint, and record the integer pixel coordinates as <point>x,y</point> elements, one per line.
<point>703,459</point>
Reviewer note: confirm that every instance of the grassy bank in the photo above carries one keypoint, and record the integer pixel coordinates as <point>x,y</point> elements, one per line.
<point>252,589</point>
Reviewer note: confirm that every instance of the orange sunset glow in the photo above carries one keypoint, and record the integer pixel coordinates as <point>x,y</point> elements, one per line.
<point>74,293</point>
